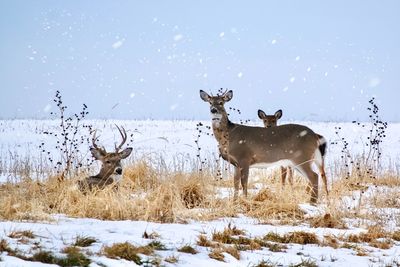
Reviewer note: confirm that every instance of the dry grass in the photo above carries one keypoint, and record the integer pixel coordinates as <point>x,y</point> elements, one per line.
<point>218,253</point>
<point>84,241</point>
<point>21,234</point>
<point>144,195</point>
<point>396,235</point>
<point>124,251</point>
<point>327,221</point>
<point>188,249</point>
<point>147,193</point>
<point>141,175</point>
<point>277,204</point>
<point>203,241</point>
<point>298,237</point>
<point>171,259</point>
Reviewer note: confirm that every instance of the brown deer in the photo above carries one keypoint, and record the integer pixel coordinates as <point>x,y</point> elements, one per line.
<point>287,172</point>
<point>111,168</point>
<point>271,121</point>
<point>244,146</point>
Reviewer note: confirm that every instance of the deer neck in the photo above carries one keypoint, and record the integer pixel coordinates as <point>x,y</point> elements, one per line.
<point>103,174</point>
<point>221,129</point>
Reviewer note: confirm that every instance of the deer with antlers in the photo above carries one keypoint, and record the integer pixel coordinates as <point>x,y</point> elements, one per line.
<point>111,168</point>
<point>244,146</point>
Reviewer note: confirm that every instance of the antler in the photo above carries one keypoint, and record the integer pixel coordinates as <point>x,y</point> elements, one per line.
<point>94,139</point>
<point>124,137</point>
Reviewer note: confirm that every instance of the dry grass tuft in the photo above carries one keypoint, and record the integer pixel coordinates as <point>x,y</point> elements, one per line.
<point>193,192</point>
<point>330,241</point>
<point>124,251</point>
<point>265,195</point>
<point>396,235</point>
<point>376,236</point>
<point>327,221</point>
<point>373,233</point>
<point>265,263</point>
<point>21,234</point>
<point>203,241</point>
<point>172,259</point>
<point>141,176</point>
<point>161,204</point>
<point>74,257</point>
<point>298,237</point>
<point>218,253</point>
<point>5,247</point>
<point>301,237</point>
<point>188,249</point>
<point>84,241</point>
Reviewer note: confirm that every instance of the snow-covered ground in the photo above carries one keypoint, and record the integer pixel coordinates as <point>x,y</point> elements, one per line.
<point>63,231</point>
<point>172,141</point>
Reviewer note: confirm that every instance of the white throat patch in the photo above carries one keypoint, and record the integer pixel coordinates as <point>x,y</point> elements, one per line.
<point>216,119</point>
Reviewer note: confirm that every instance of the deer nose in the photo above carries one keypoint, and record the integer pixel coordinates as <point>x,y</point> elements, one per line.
<point>118,171</point>
<point>214,110</point>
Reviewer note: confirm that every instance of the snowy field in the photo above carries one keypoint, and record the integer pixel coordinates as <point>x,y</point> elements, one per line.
<point>173,141</point>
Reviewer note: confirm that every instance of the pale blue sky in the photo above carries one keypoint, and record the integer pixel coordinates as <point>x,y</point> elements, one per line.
<point>316,60</point>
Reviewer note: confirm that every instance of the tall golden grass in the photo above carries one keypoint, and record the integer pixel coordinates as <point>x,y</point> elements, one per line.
<point>150,194</point>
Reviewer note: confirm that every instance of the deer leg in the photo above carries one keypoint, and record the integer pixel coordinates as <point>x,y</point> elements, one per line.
<point>289,174</point>
<point>307,171</point>
<point>244,179</point>
<point>236,182</point>
<point>283,175</point>
<point>323,176</point>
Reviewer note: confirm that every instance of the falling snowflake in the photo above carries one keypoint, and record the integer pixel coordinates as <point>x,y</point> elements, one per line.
<point>118,44</point>
<point>178,37</point>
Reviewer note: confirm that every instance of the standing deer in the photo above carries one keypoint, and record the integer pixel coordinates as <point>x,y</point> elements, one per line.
<point>287,172</point>
<point>271,121</point>
<point>244,146</point>
<point>111,168</point>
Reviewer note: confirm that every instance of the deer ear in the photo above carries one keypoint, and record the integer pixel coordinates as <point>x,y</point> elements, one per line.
<point>261,114</point>
<point>96,153</point>
<point>278,114</point>
<point>204,96</point>
<point>228,96</point>
<point>125,153</point>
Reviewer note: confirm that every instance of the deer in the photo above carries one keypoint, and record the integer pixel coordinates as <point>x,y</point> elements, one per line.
<point>111,168</point>
<point>243,146</point>
<point>271,121</point>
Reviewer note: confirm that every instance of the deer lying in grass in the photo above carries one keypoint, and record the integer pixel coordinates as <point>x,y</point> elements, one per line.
<point>287,172</point>
<point>271,121</point>
<point>244,146</point>
<point>111,168</point>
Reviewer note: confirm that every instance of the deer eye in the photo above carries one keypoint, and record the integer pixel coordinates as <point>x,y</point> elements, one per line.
<point>108,162</point>
<point>220,103</point>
